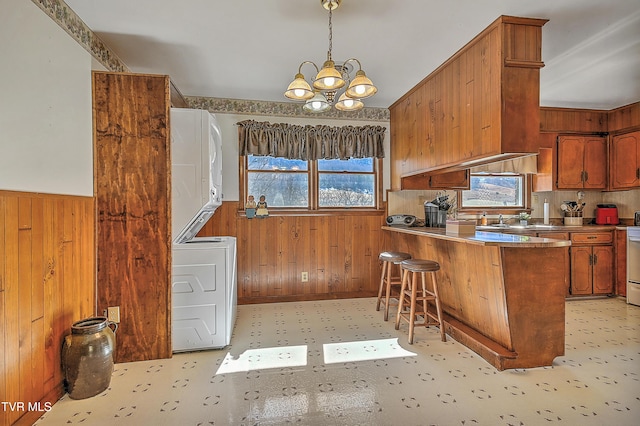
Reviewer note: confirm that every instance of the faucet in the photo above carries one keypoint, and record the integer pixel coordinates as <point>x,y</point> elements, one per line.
<point>500,220</point>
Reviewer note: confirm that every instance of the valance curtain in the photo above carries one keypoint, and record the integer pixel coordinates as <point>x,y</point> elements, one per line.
<point>310,142</point>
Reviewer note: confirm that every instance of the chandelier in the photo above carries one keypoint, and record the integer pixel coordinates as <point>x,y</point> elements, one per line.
<point>331,78</point>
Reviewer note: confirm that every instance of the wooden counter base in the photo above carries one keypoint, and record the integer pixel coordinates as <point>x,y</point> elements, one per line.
<point>506,303</point>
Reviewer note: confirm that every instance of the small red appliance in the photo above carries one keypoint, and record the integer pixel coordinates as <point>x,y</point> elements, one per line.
<point>607,214</point>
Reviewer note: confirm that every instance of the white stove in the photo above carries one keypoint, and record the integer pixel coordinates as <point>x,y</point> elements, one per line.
<point>633,265</point>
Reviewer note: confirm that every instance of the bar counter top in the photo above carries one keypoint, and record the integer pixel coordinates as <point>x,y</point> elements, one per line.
<point>488,238</point>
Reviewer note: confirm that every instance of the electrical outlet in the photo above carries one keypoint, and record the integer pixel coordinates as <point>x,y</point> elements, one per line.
<point>305,277</point>
<point>113,313</point>
<point>535,199</point>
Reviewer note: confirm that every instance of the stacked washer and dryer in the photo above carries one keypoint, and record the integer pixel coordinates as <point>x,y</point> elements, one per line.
<point>204,295</point>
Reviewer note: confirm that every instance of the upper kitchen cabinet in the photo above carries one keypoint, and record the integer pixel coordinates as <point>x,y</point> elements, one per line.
<point>451,180</point>
<point>582,162</point>
<point>625,161</point>
<point>132,166</point>
<point>480,106</point>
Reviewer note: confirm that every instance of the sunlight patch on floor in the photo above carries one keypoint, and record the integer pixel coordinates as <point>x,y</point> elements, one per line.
<point>366,350</point>
<point>264,358</point>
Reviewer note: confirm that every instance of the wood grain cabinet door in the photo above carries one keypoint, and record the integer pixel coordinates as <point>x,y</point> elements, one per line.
<point>625,161</point>
<point>595,163</point>
<point>602,269</point>
<point>570,162</point>
<point>581,270</point>
<point>582,162</point>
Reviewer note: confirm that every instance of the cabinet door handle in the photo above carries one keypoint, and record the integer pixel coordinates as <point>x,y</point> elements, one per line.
<point>590,259</point>
<point>595,259</point>
<point>586,176</point>
<point>638,173</point>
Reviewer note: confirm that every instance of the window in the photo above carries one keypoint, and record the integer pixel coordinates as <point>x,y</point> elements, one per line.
<point>495,191</point>
<point>313,185</point>
<point>346,183</point>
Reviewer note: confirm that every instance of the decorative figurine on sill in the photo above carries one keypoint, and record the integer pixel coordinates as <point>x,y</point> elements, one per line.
<point>262,208</point>
<point>250,207</point>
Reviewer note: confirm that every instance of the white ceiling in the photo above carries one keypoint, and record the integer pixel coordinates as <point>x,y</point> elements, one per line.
<point>251,49</point>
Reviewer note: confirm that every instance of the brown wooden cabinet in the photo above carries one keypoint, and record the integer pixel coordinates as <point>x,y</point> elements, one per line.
<point>582,162</point>
<point>625,161</point>
<point>480,106</point>
<point>451,180</point>
<point>591,256</point>
<point>554,235</point>
<point>133,196</point>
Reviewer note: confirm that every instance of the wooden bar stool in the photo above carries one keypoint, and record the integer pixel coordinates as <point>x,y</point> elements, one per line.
<point>387,279</point>
<point>410,296</point>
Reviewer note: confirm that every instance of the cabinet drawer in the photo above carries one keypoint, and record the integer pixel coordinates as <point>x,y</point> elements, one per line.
<point>554,235</point>
<point>592,238</point>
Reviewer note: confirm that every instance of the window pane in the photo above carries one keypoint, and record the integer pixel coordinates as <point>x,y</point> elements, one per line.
<point>273,163</point>
<point>280,189</point>
<point>346,190</point>
<point>350,165</point>
<point>494,191</point>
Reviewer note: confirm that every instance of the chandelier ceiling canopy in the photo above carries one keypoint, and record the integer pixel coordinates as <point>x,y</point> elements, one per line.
<point>330,78</point>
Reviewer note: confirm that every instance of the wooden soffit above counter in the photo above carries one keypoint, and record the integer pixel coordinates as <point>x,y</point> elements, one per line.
<point>480,106</point>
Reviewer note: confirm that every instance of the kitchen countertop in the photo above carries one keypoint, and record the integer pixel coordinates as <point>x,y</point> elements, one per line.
<point>482,238</point>
<point>551,228</point>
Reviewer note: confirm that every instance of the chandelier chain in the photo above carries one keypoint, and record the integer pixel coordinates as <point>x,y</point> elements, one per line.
<point>331,78</point>
<point>330,35</point>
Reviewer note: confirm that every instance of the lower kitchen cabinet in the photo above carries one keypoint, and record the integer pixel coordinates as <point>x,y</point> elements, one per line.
<point>621,262</point>
<point>592,260</point>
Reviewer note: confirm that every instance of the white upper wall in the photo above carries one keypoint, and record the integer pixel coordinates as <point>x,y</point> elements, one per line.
<point>46,136</point>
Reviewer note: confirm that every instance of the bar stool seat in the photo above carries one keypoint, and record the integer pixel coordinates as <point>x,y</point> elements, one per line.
<point>390,283</point>
<point>410,296</point>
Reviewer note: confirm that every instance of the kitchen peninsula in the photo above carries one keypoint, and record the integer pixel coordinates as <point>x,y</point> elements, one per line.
<point>503,296</point>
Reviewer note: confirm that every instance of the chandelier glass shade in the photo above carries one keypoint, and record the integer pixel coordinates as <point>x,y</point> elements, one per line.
<point>299,89</point>
<point>329,79</point>
<point>318,103</point>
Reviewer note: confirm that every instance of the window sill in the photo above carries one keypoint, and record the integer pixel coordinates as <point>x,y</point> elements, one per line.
<point>328,212</point>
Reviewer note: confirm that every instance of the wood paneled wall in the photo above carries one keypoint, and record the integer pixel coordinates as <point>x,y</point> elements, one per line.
<point>340,253</point>
<point>625,118</point>
<point>47,282</point>
<point>133,196</point>
<point>572,120</point>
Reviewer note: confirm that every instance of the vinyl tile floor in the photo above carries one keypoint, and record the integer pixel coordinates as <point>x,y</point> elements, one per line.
<point>338,363</point>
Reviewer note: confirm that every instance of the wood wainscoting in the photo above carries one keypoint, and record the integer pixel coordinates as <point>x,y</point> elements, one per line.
<point>47,282</point>
<point>338,251</point>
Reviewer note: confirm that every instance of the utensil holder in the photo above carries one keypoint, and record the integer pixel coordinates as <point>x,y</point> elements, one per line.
<point>573,218</point>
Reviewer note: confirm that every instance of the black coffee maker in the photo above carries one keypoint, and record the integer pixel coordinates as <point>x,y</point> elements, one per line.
<point>435,212</point>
